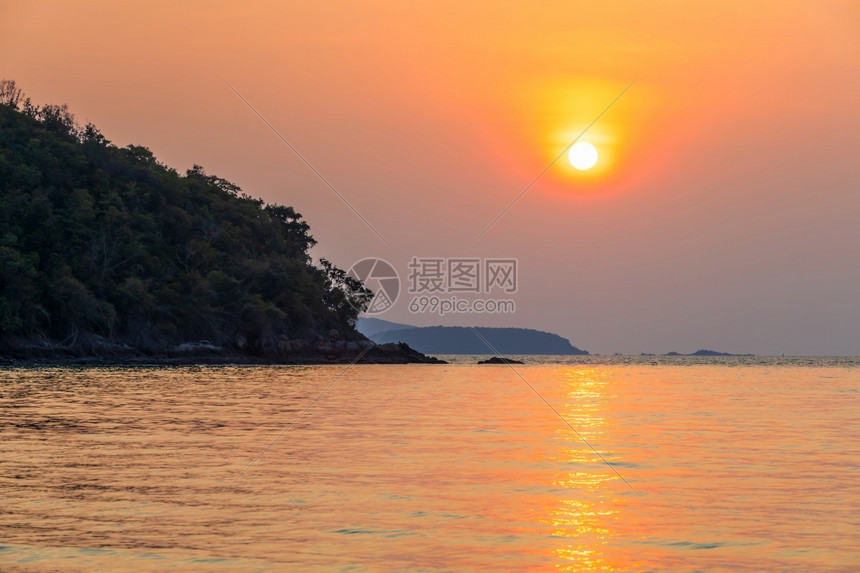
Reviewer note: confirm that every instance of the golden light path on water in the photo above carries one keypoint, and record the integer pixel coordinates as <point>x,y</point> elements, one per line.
<point>583,522</point>
<point>736,466</point>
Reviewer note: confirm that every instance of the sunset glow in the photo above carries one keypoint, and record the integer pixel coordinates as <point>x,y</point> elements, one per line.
<point>397,103</point>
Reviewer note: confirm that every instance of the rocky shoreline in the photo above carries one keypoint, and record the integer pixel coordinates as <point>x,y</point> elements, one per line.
<point>300,351</point>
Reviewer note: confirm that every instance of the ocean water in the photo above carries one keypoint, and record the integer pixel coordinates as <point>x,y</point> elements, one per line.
<point>724,464</point>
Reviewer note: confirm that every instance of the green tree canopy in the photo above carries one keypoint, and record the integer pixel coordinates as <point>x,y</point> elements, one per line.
<point>104,242</point>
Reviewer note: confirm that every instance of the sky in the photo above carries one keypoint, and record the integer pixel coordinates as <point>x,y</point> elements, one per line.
<point>722,212</point>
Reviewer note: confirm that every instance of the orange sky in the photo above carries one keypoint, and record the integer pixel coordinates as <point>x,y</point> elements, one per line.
<point>722,213</point>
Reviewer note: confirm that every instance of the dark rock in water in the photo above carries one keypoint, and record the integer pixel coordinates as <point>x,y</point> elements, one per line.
<point>395,353</point>
<point>499,360</point>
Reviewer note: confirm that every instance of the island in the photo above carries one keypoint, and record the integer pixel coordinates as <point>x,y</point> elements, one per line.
<point>469,340</point>
<point>109,255</point>
<point>704,352</point>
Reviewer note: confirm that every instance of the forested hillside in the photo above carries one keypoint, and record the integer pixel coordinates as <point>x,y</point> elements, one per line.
<point>103,245</point>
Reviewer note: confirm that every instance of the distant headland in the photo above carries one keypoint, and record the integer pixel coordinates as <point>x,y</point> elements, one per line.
<point>468,340</point>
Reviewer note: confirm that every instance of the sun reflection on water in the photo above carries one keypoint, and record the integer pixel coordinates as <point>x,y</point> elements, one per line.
<point>585,517</point>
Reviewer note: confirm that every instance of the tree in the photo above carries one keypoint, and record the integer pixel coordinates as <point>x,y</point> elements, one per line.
<point>10,94</point>
<point>346,296</point>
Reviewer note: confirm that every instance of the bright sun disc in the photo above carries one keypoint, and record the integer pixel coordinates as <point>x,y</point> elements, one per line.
<point>582,155</point>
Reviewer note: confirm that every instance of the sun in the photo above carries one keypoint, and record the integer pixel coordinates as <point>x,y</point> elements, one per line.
<point>582,155</point>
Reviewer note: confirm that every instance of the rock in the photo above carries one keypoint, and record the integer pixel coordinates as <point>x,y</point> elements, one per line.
<point>499,360</point>
<point>281,350</point>
<point>203,346</point>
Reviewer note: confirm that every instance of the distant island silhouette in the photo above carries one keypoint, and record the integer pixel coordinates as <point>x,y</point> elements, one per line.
<point>464,340</point>
<point>702,352</point>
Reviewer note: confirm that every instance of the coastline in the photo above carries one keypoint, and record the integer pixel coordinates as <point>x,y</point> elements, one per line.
<point>191,354</point>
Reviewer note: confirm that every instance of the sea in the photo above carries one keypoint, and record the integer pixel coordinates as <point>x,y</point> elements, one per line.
<point>582,463</point>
